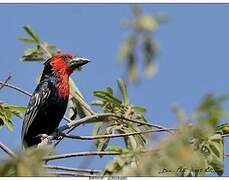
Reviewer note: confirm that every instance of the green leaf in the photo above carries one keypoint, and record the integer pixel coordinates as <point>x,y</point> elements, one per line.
<point>34,35</point>
<point>215,149</point>
<point>27,40</point>
<point>6,113</point>
<point>110,90</point>
<point>5,117</point>
<point>30,51</point>
<point>107,97</point>
<point>139,108</point>
<point>117,164</point>
<point>220,127</point>
<point>103,143</point>
<point>16,107</point>
<point>97,103</point>
<point>32,54</point>
<point>81,111</point>
<point>123,90</point>
<point>97,128</point>
<point>216,158</point>
<point>78,102</point>
<point>224,127</point>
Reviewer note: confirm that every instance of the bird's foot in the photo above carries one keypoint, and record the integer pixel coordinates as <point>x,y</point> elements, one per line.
<point>57,134</point>
<point>44,137</point>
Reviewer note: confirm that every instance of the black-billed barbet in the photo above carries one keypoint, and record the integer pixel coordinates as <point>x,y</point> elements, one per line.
<point>49,101</point>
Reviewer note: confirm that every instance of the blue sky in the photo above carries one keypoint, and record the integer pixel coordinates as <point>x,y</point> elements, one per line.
<point>193,58</point>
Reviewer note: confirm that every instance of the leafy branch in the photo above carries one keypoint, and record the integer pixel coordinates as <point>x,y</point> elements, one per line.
<point>69,155</point>
<point>140,39</point>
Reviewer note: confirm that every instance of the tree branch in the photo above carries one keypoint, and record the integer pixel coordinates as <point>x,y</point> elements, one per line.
<point>225,135</point>
<point>15,88</point>
<point>4,83</point>
<point>90,171</point>
<point>7,150</point>
<point>77,154</point>
<point>94,118</point>
<point>114,135</point>
<point>90,119</point>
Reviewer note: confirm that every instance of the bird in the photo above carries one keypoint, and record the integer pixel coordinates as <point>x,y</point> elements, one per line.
<point>48,102</point>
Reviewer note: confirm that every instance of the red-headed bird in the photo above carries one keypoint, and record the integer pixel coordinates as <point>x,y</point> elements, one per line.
<point>49,101</point>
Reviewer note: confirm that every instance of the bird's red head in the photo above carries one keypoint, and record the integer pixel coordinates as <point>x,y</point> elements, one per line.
<point>62,65</point>
<point>66,63</point>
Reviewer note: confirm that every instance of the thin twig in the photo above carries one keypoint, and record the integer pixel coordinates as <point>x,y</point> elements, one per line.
<point>4,83</point>
<point>94,118</point>
<point>90,171</point>
<point>225,135</point>
<point>114,135</point>
<point>7,150</point>
<point>15,88</point>
<point>77,154</point>
<point>226,154</point>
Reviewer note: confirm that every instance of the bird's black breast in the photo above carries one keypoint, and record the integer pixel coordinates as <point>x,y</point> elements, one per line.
<point>45,111</point>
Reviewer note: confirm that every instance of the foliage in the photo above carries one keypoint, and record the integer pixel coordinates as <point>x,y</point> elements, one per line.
<point>182,154</point>
<point>112,104</point>
<point>41,51</point>
<point>210,110</point>
<point>193,150</point>
<point>140,40</point>
<point>26,163</point>
<point>6,113</point>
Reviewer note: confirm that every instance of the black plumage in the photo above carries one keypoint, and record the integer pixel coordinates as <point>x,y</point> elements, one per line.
<point>45,111</point>
<point>49,101</point>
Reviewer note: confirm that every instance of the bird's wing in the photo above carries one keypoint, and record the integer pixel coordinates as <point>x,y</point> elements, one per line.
<point>38,98</point>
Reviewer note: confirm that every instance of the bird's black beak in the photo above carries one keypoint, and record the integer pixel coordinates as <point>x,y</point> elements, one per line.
<point>77,62</point>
